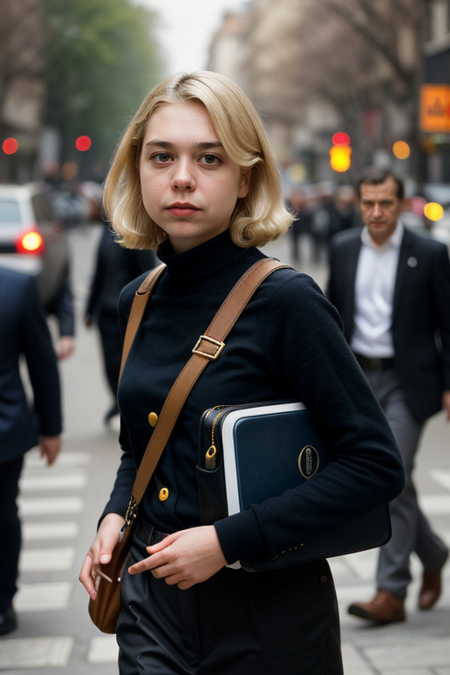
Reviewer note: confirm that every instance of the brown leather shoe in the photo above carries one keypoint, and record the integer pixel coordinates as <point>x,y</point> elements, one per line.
<point>385,607</point>
<point>431,589</point>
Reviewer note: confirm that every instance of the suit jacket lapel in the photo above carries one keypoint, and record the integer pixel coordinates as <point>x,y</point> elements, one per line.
<point>405,251</point>
<point>352,259</point>
<point>351,266</point>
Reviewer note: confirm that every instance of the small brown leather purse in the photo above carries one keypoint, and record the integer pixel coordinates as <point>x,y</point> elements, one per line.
<point>104,610</point>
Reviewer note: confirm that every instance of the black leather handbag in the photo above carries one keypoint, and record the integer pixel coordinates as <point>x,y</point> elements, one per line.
<point>250,453</point>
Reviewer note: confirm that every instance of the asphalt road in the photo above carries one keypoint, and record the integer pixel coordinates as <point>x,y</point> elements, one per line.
<point>60,507</point>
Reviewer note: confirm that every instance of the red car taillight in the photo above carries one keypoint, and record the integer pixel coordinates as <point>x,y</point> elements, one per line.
<point>30,242</point>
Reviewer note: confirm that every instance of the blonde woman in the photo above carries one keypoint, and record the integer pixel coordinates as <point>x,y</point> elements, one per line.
<point>194,178</point>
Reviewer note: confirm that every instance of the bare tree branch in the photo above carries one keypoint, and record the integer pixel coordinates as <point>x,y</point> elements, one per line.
<point>373,37</point>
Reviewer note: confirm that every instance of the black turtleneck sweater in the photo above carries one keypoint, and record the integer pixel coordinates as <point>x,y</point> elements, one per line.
<point>288,344</point>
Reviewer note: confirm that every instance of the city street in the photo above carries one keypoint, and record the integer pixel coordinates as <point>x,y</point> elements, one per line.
<point>60,507</point>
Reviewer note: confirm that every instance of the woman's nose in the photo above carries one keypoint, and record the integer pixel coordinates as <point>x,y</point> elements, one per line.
<point>183,177</point>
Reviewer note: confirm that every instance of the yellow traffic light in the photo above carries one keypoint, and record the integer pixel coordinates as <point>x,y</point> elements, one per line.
<point>340,158</point>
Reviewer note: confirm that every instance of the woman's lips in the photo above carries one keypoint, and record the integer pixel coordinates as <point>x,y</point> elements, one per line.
<point>182,210</point>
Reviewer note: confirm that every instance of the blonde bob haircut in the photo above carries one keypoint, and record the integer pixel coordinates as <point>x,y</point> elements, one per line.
<point>258,218</point>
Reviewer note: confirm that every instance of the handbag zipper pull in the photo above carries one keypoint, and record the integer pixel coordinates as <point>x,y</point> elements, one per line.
<point>210,458</point>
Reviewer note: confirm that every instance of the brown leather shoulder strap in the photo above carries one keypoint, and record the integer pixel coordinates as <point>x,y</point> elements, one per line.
<point>208,348</point>
<point>137,310</point>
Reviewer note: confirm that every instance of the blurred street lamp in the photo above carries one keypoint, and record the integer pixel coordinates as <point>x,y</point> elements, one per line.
<point>433,211</point>
<point>401,150</point>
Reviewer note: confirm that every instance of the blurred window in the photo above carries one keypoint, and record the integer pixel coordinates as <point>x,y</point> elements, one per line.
<point>9,211</point>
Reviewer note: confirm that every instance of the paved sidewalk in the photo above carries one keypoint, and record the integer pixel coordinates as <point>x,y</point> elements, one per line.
<point>419,646</point>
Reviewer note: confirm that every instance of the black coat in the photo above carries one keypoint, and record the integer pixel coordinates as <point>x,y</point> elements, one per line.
<point>287,344</point>
<point>24,331</point>
<point>420,316</point>
<point>115,267</point>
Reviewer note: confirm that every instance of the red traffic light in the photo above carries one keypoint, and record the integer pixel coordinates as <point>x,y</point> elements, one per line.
<point>10,146</point>
<point>341,138</point>
<point>83,143</point>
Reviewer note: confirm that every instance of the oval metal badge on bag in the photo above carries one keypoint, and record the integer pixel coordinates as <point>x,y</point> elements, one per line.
<point>308,461</point>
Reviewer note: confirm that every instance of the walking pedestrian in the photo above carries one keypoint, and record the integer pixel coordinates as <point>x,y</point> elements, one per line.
<point>392,289</point>
<point>115,267</point>
<point>23,332</point>
<point>301,225</point>
<point>195,177</point>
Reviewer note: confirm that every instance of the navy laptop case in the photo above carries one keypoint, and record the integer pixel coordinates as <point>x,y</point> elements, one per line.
<point>251,453</point>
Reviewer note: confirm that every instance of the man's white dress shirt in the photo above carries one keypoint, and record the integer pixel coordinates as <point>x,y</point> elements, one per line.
<point>374,295</point>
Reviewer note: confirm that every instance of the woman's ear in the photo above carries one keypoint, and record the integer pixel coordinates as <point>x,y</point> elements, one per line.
<point>245,183</point>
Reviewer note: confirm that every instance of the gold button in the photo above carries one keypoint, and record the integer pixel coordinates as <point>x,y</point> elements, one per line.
<point>152,419</point>
<point>163,494</point>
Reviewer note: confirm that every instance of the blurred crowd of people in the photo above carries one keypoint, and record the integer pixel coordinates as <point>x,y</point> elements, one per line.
<point>321,210</point>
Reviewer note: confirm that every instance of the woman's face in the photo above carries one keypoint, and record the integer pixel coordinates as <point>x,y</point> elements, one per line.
<point>189,184</point>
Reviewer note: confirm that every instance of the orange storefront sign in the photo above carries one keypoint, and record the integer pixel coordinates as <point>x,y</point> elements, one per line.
<point>435,108</point>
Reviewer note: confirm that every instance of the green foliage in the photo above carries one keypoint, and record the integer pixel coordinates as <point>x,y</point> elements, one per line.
<point>101,62</point>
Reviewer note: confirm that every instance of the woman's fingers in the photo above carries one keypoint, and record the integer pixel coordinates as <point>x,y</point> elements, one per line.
<point>100,552</point>
<point>86,577</point>
<point>185,558</point>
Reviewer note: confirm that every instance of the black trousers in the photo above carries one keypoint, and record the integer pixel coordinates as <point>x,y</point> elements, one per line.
<point>236,623</point>
<point>10,530</point>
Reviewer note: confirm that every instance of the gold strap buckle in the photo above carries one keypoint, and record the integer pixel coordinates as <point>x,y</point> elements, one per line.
<point>131,511</point>
<point>217,344</point>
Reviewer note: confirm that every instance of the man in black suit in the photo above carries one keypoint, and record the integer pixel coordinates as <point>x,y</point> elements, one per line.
<point>115,267</point>
<point>392,289</point>
<point>23,332</point>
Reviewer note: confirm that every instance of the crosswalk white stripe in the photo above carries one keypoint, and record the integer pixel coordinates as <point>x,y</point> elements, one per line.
<point>435,505</point>
<point>441,476</point>
<point>46,560</point>
<point>103,649</point>
<point>43,597</point>
<point>33,459</point>
<point>35,652</point>
<point>41,481</point>
<point>55,506</point>
<point>45,531</point>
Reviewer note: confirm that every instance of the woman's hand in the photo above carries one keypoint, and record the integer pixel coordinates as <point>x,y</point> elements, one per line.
<point>185,558</point>
<point>101,550</point>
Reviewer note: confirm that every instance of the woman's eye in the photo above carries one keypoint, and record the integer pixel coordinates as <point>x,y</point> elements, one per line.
<point>162,157</point>
<point>210,159</point>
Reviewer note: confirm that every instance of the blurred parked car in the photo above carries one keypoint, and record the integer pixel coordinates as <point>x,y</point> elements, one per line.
<point>32,240</point>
